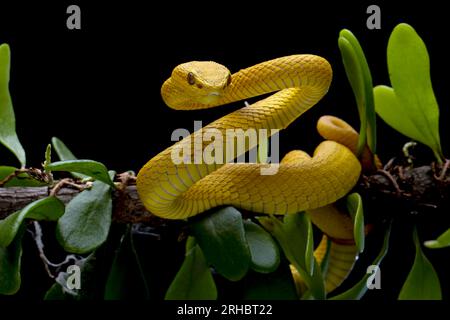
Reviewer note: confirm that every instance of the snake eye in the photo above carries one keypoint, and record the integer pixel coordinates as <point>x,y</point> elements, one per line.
<point>228,80</point>
<point>191,78</point>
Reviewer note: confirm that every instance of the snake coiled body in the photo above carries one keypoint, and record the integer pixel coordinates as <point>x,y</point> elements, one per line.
<point>178,191</point>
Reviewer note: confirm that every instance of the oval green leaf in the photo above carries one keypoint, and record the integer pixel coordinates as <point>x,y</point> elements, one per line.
<point>360,78</point>
<point>409,106</point>
<point>441,242</point>
<point>194,280</point>
<point>10,261</point>
<point>422,282</point>
<point>354,75</point>
<point>355,208</point>
<point>62,151</point>
<point>85,225</point>
<point>8,135</point>
<point>277,285</point>
<point>126,280</point>
<point>263,249</point>
<point>221,237</point>
<point>90,168</point>
<point>50,208</point>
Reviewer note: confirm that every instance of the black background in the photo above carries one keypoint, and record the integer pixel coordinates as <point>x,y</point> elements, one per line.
<point>98,88</point>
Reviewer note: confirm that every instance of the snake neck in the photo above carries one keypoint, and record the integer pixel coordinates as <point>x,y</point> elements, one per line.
<point>296,71</point>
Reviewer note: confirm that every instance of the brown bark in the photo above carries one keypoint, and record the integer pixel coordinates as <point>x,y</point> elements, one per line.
<point>127,205</point>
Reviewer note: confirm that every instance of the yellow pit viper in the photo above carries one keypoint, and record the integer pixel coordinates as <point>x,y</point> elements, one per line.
<point>302,183</point>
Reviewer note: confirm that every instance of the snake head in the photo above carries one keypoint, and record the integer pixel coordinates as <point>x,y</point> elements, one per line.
<point>196,84</point>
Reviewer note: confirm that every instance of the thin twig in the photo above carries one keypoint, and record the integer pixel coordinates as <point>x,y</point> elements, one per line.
<point>37,236</point>
<point>388,165</point>
<point>11,176</point>
<point>68,182</point>
<point>401,173</point>
<point>443,172</point>
<point>126,178</point>
<point>391,179</point>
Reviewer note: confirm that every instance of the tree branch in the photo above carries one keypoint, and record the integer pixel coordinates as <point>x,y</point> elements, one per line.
<point>126,203</point>
<point>425,186</point>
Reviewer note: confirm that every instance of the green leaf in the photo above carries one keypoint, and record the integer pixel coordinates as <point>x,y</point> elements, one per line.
<point>62,151</point>
<point>360,78</point>
<point>56,293</point>
<point>315,282</point>
<point>85,225</point>
<point>410,107</point>
<point>65,154</point>
<point>126,280</point>
<point>359,289</point>
<point>442,241</point>
<point>194,280</point>
<point>10,261</point>
<point>325,263</point>
<point>22,180</point>
<point>309,252</point>
<point>221,237</point>
<point>90,168</point>
<point>263,151</point>
<point>8,135</point>
<point>355,208</point>
<point>50,208</point>
<point>294,236</point>
<point>48,156</point>
<point>392,112</point>
<point>277,285</point>
<point>354,75</point>
<point>422,282</point>
<point>265,256</point>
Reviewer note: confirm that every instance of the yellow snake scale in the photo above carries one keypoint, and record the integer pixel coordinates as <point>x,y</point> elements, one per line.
<point>179,191</point>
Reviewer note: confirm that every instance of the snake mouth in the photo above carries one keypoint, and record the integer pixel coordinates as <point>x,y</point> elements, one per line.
<point>210,97</point>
